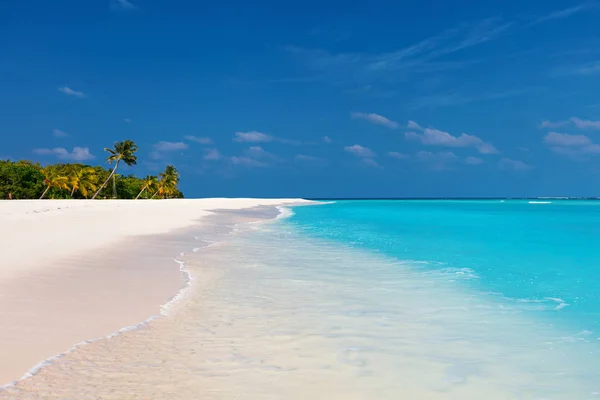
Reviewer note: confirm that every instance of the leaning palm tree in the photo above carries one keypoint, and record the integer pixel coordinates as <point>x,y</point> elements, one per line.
<point>83,179</point>
<point>53,179</point>
<point>122,151</point>
<point>148,183</point>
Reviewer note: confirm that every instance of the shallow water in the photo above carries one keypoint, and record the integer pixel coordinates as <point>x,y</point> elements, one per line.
<point>295,310</point>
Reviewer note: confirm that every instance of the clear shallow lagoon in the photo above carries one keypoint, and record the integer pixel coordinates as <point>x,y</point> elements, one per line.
<point>362,300</point>
<point>518,274</point>
<point>536,256</point>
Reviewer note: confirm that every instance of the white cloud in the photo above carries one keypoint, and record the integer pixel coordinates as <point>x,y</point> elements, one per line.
<point>585,124</point>
<point>59,133</point>
<point>414,125</point>
<point>78,153</point>
<point>252,137</point>
<point>564,139</point>
<point>370,162</point>
<point>311,160</point>
<point>576,122</point>
<point>375,119</point>
<point>399,156</point>
<point>259,137</point>
<point>212,155</point>
<point>259,152</point>
<point>574,146</point>
<point>327,139</point>
<point>247,161</point>
<point>443,155</point>
<point>198,139</point>
<point>67,90</point>
<point>510,164</point>
<point>360,151</point>
<point>162,147</point>
<point>565,13</point>
<point>487,148</point>
<point>436,137</point>
<point>474,160</point>
<point>169,146</point>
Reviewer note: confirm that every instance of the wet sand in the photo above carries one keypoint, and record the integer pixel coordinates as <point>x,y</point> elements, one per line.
<point>59,287</point>
<point>153,360</point>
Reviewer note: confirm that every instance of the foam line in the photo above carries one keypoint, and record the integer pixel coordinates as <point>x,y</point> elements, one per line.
<point>164,311</point>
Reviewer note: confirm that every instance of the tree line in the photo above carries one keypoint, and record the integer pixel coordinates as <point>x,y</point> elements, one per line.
<point>29,180</point>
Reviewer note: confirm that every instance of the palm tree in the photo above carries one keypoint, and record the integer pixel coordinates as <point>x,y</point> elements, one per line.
<point>148,183</point>
<point>122,151</point>
<point>53,179</point>
<point>83,179</point>
<point>167,185</point>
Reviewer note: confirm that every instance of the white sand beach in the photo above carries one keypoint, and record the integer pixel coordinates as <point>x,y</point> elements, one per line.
<point>72,270</point>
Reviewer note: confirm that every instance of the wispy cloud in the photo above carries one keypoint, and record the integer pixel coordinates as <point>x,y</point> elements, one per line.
<point>363,69</point>
<point>397,155</point>
<point>127,120</point>
<point>577,147</point>
<point>259,137</point>
<point>360,151</point>
<point>365,154</point>
<point>260,153</point>
<point>515,165</point>
<point>247,161</point>
<point>375,119</point>
<point>77,154</point>
<point>252,137</point>
<point>162,148</point>
<point>122,5</point>
<point>212,155</point>
<point>310,160</point>
<point>370,162</point>
<point>573,121</point>
<point>585,124</point>
<point>474,160</point>
<point>436,137</point>
<point>170,146</point>
<point>59,133</point>
<point>67,90</point>
<point>327,139</point>
<point>366,69</point>
<point>565,13</point>
<point>199,139</point>
<point>564,139</point>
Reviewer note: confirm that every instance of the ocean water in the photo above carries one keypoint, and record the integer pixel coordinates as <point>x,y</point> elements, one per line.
<point>361,300</point>
<point>523,275</point>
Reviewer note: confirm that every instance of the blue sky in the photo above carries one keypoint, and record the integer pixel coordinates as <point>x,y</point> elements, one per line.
<point>314,99</point>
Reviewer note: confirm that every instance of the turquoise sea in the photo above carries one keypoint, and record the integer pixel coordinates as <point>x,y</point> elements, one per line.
<point>510,288</point>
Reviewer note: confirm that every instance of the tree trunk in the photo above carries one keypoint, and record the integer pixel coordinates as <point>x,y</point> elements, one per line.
<point>141,191</point>
<point>114,186</point>
<point>106,181</point>
<point>73,192</point>
<point>155,193</point>
<point>45,191</point>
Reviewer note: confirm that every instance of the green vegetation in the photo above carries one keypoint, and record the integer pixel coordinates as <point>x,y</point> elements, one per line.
<point>28,180</point>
